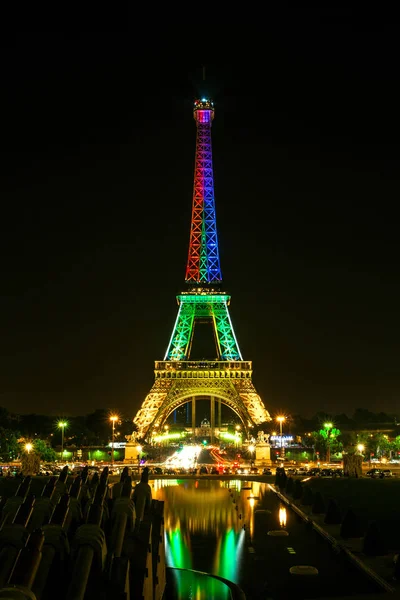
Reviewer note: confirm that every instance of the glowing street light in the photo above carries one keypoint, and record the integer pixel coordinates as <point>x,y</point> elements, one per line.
<point>251,449</point>
<point>62,425</point>
<point>113,419</point>
<point>28,447</point>
<point>360,448</point>
<point>280,420</point>
<point>139,450</point>
<point>328,427</point>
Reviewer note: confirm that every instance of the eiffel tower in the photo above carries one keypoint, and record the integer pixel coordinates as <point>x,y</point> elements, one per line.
<point>179,380</point>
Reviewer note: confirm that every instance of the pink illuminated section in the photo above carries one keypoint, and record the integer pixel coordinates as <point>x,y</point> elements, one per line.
<point>203,116</point>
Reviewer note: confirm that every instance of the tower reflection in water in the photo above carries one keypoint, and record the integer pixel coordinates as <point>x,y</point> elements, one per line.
<point>204,529</point>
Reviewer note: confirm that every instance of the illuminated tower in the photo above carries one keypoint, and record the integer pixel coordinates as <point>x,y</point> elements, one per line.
<point>179,380</point>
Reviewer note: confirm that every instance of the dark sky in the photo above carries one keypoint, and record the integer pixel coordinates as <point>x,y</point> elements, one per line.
<point>97,146</point>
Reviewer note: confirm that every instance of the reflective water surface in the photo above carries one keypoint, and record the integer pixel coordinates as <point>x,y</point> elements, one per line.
<point>240,531</point>
<point>203,531</point>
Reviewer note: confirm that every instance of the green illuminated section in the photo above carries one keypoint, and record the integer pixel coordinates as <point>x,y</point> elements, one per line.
<point>169,436</point>
<point>230,436</point>
<point>177,551</point>
<point>201,306</point>
<point>230,555</point>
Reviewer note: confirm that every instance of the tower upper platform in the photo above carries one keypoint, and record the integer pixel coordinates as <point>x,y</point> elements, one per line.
<point>203,110</point>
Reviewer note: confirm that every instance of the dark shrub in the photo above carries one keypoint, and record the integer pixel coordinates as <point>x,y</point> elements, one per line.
<point>297,490</point>
<point>289,485</point>
<point>350,526</point>
<point>318,506</point>
<point>373,541</point>
<point>308,496</point>
<point>280,473</point>
<point>333,515</point>
<point>283,481</point>
<point>396,574</point>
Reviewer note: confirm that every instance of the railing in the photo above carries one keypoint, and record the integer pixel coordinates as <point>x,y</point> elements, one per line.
<point>207,365</point>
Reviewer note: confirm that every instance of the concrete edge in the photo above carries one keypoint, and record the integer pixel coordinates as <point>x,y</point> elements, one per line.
<point>333,541</point>
<point>236,591</point>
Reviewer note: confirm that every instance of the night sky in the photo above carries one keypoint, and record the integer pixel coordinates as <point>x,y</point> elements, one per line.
<point>97,146</point>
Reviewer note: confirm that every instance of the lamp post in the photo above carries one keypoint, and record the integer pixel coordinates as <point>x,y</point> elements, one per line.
<point>280,420</point>
<point>166,428</point>
<point>237,435</point>
<point>113,420</point>
<point>139,450</point>
<point>328,427</point>
<point>251,450</point>
<point>62,425</point>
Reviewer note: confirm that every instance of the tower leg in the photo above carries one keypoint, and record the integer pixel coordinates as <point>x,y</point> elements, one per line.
<point>212,411</point>
<point>194,416</point>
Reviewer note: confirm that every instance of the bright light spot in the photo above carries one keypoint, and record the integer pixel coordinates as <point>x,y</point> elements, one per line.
<point>251,448</point>
<point>280,419</point>
<point>113,418</point>
<point>360,447</point>
<point>62,424</point>
<point>139,448</point>
<point>328,425</point>
<point>252,502</point>
<point>28,447</point>
<point>185,458</point>
<point>282,516</point>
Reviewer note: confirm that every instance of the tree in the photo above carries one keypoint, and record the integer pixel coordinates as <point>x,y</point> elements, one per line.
<point>379,445</point>
<point>9,449</point>
<point>396,445</point>
<point>44,451</point>
<point>327,437</point>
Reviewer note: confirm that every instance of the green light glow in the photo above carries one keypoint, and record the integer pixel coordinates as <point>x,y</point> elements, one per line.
<point>177,550</point>
<point>230,436</point>
<point>200,306</point>
<point>169,436</point>
<point>230,552</point>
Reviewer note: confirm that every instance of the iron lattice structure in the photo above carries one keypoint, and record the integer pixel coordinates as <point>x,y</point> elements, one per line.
<point>203,261</point>
<point>177,379</point>
<point>203,305</point>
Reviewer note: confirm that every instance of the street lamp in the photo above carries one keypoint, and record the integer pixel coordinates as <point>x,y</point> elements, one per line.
<point>113,420</point>
<point>328,427</point>
<point>360,448</point>
<point>139,450</point>
<point>62,425</point>
<point>251,450</point>
<point>28,447</point>
<point>280,420</point>
<point>166,429</point>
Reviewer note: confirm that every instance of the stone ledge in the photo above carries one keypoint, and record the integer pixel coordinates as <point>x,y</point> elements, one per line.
<point>375,567</point>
